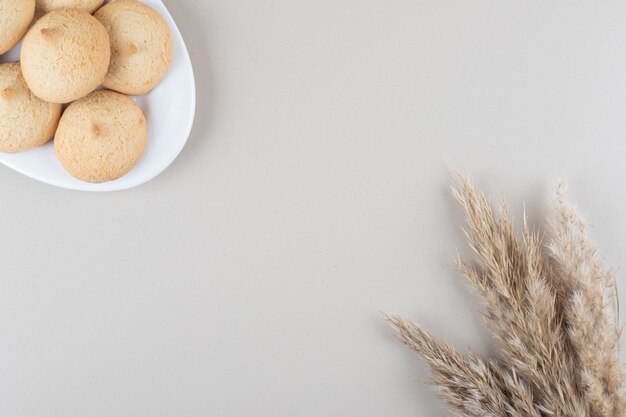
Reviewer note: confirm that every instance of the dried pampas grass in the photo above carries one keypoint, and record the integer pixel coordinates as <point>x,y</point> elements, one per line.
<point>549,305</point>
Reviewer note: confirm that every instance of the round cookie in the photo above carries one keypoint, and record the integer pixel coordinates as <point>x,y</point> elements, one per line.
<point>25,121</point>
<point>46,6</point>
<point>141,46</point>
<point>65,55</point>
<point>15,17</point>
<point>101,137</point>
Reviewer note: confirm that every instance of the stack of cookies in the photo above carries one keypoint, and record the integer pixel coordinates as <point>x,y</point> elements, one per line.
<point>125,47</point>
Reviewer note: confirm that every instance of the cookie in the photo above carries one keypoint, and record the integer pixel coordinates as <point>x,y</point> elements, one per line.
<point>46,6</point>
<point>101,137</point>
<point>65,55</point>
<point>25,121</point>
<point>15,17</point>
<point>141,46</point>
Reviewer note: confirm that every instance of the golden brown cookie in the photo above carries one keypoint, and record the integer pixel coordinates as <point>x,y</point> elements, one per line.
<point>141,46</point>
<point>65,55</point>
<point>101,137</point>
<point>89,6</point>
<point>25,121</point>
<point>15,17</point>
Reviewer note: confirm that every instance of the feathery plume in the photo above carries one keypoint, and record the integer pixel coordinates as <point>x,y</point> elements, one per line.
<point>549,308</point>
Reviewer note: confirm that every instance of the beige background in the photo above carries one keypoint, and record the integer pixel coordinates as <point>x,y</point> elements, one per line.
<point>247,280</point>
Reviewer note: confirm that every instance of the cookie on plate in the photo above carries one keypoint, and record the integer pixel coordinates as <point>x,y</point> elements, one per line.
<point>141,46</point>
<point>101,137</point>
<point>89,6</point>
<point>15,17</point>
<point>65,55</point>
<point>25,121</point>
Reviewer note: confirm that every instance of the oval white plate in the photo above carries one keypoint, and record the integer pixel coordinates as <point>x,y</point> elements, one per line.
<point>169,109</point>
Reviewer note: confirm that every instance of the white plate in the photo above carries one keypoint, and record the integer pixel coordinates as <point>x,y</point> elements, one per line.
<point>169,109</point>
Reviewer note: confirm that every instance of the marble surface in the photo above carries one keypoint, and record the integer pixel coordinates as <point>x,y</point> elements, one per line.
<point>248,279</point>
